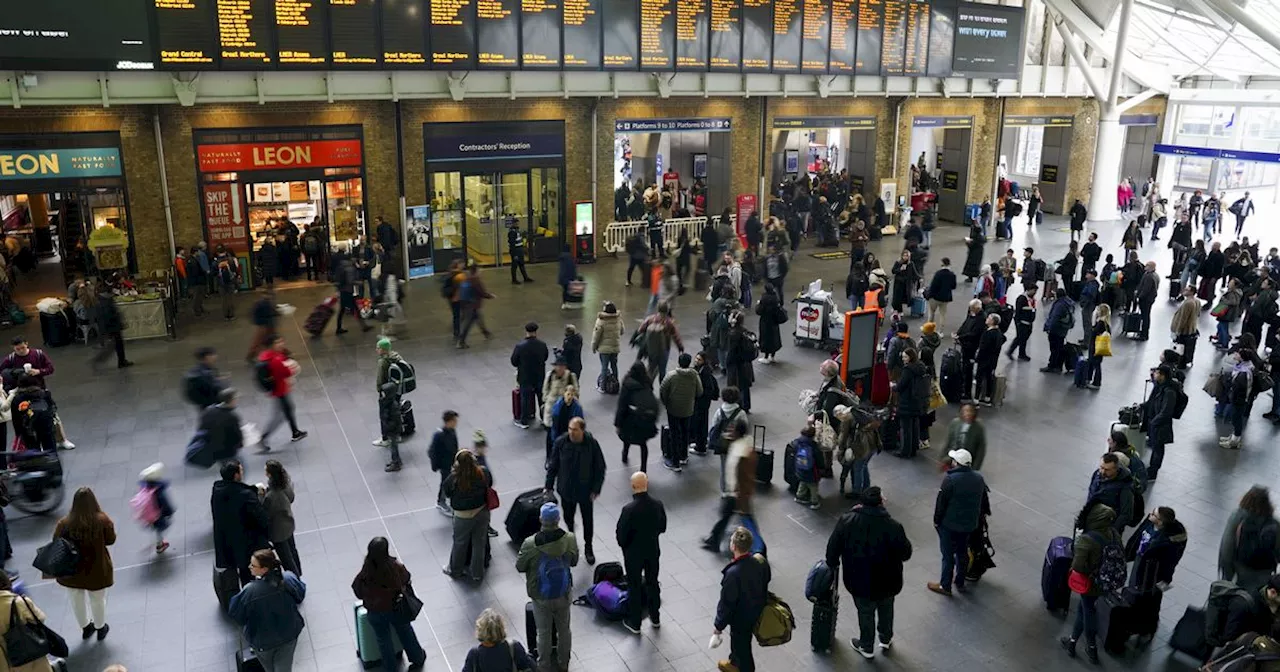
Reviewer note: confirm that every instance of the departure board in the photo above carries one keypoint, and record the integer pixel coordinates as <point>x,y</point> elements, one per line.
<point>539,34</point>
<point>582,34</point>
<point>757,35</point>
<point>870,24</point>
<point>725,28</point>
<point>787,33</point>
<point>942,35</point>
<point>183,33</point>
<point>621,34</point>
<point>894,37</point>
<point>844,37</point>
<point>498,33</point>
<point>691,34</point>
<point>657,33</point>
<point>244,33</point>
<point>817,33</point>
<point>301,30</point>
<point>915,57</point>
<point>404,38</point>
<point>351,23</point>
<point>453,34</point>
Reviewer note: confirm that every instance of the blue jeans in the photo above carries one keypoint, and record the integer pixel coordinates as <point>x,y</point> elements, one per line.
<point>955,556</point>
<point>1086,620</point>
<point>608,364</point>
<point>383,623</point>
<point>986,222</point>
<point>928,238</point>
<point>1224,335</point>
<point>861,474</point>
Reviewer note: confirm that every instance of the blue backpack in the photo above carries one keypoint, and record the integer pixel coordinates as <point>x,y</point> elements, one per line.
<point>554,578</point>
<point>467,292</point>
<point>804,458</point>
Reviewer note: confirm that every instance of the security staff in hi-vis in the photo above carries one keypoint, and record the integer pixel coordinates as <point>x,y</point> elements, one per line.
<point>515,247</point>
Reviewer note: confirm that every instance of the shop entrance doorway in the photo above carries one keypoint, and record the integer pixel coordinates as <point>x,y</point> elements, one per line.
<point>491,204</point>
<point>940,148</point>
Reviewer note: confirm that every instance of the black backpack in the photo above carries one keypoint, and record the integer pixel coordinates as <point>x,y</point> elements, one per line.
<point>719,445</point>
<point>262,374</point>
<point>446,286</point>
<point>1256,542</point>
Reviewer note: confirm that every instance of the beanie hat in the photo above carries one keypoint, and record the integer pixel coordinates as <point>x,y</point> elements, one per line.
<point>154,472</point>
<point>549,513</point>
<point>928,328</point>
<point>479,438</point>
<point>384,343</point>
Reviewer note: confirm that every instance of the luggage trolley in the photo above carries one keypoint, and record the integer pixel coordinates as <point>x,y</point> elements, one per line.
<point>819,321</point>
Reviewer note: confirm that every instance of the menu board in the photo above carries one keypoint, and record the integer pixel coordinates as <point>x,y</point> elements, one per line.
<point>404,40</point>
<point>621,34</point>
<point>842,57</point>
<point>75,35</point>
<point>244,33</point>
<point>942,33</point>
<point>988,41</point>
<point>301,27</point>
<point>183,35</point>
<point>498,33</point>
<point>581,34</point>
<point>757,35</point>
<point>817,34</point>
<point>786,35</point>
<point>691,34</point>
<point>539,34</point>
<point>725,28</point>
<point>351,22</point>
<point>453,34</point>
<point>657,34</point>
<point>870,23</point>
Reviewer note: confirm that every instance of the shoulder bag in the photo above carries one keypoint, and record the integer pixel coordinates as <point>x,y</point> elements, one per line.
<point>28,642</point>
<point>407,605</point>
<point>57,558</point>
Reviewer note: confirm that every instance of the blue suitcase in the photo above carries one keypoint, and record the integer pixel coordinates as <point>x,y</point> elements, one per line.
<point>1053,577</point>
<point>918,306</point>
<point>1081,371</point>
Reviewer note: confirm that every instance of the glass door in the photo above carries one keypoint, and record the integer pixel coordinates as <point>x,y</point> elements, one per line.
<point>513,199</point>
<point>548,230</point>
<point>494,203</point>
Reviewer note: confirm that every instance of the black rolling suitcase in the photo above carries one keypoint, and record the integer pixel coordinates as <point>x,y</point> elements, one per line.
<point>822,633</point>
<point>408,425</point>
<point>1175,289</point>
<point>1053,576</point>
<point>522,519</point>
<point>320,316</point>
<point>247,662</point>
<point>58,329</point>
<point>1115,620</point>
<point>531,634</point>
<point>664,440</point>
<point>1133,322</point>
<point>764,458</point>
<point>1144,615</point>
<point>789,468</point>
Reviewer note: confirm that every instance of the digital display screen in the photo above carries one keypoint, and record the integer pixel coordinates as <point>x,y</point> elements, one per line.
<point>498,33</point>
<point>404,38</point>
<point>657,33</point>
<point>301,30</point>
<point>988,41</point>
<point>539,33</point>
<point>817,35</point>
<point>453,34</point>
<point>691,34</point>
<point>894,37</point>
<point>351,22</point>
<point>582,34</point>
<point>621,34</point>
<point>844,37</point>
<point>942,35</point>
<point>726,35</point>
<point>870,24</point>
<point>75,35</point>
<point>787,29</point>
<point>244,33</point>
<point>757,35</point>
<point>185,36</point>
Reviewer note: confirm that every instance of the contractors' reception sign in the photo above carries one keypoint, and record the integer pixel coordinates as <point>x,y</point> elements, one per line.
<point>30,164</point>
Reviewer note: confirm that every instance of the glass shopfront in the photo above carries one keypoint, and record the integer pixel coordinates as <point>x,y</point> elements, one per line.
<point>486,179</point>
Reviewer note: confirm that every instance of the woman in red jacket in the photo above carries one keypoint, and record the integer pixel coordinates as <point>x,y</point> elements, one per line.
<point>275,371</point>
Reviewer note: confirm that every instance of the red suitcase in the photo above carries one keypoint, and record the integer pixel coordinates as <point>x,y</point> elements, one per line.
<point>515,404</point>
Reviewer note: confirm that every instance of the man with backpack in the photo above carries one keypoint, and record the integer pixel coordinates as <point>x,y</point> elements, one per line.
<point>391,369</point>
<point>546,559</point>
<point>655,335</point>
<point>962,501</point>
<point>274,371</point>
<point>1097,569</point>
<point>1158,414</point>
<point>873,547</point>
<point>312,248</point>
<point>1058,325</point>
<point>680,392</point>
<point>1241,208</point>
<point>202,382</point>
<point>640,524</point>
<point>576,470</point>
<point>744,593</point>
<point>227,275</point>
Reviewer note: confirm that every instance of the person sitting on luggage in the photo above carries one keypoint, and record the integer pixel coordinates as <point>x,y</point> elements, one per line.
<point>1155,550</point>
<point>1099,530</point>
<point>873,547</point>
<point>495,653</point>
<point>543,559</point>
<point>808,467</point>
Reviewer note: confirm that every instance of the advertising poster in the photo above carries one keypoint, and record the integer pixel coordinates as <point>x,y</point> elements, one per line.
<point>417,230</point>
<point>224,217</point>
<point>746,205</point>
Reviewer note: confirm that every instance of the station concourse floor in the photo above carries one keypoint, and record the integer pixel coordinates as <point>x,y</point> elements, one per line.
<point>1044,444</point>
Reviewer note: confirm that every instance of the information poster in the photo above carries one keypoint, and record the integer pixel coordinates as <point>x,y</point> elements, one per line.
<point>302,30</point>
<point>817,35</point>
<point>726,35</point>
<point>757,35</point>
<point>404,40</point>
<point>498,33</point>
<point>453,34</point>
<point>224,218</point>
<point>244,33</point>
<point>581,34</point>
<point>657,34</point>
<point>351,22</point>
<point>417,227</point>
<point>746,204</point>
<point>184,34</point>
<point>621,34</point>
<point>540,34</point>
<point>787,33</point>
<point>691,34</point>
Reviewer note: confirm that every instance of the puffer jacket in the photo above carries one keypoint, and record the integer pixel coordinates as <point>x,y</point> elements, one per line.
<point>553,391</point>
<point>1087,556</point>
<point>606,338</point>
<point>679,390</point>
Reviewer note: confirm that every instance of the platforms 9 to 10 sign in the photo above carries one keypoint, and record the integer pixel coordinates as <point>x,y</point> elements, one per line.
<point>866,37</point>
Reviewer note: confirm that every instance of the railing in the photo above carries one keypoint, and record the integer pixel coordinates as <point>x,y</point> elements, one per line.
<point>617,233</point>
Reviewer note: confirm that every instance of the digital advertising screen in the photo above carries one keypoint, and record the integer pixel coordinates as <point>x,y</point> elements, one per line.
<point>351,23</point>
<point>757,35</point>
<point>71,35</point>
<point>787,33</point>
<point>988,41</point>
<point>539,34</point>
<point>404,35</point>
<point>302,29</point>
<point>621,34</point>
<point>498,33</point>
<point>581,34</point>
<point>185,34</point>
<point>817,35</point>
<point>726,35</point>
<point>691,34</point>
<point>245,29</point>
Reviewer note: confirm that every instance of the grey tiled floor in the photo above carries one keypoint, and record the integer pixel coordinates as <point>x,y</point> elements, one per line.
<point>1044,443</point>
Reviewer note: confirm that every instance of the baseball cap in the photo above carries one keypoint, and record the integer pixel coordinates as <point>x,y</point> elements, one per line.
<point>961,457</point>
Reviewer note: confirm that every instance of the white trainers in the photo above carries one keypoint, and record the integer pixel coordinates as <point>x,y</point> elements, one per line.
<point>67,445</point>
<point>382,443</point>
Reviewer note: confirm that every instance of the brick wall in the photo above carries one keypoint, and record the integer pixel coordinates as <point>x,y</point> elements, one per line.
<point>880,108</point>
<point>982,149</point>
<point>138,152</point>
<point>1084,138</point>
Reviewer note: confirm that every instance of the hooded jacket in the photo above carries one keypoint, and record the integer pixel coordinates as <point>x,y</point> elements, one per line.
<point>1115,494</point>
<point>553,390</point>
<point>554,542</point>
<point>222,431</point>
<point>1099,526</point>
<point>929,344</point>
<point>280,372</point>
<point>679,391</point>
<point>268,609</point>
<point>240,524</point>
<point>1155,553</point>
<point>606,337</point>
<point>909,387</point>
<point>873,547</point>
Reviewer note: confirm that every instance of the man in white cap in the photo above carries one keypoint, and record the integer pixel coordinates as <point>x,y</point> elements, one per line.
<point>962,500</point>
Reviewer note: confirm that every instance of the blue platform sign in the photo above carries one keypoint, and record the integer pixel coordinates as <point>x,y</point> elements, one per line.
<point>1214,153</point>
<point>34,164</point>
<point>709,125</point>
<point>1139,119</point>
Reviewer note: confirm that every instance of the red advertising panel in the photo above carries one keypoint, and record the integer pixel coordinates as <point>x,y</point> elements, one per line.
<point>279,155</point>
<point>746,206</point>
<point>224,217</point>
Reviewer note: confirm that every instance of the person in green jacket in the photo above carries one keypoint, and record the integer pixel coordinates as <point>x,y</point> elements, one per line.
<point>556,550</point>
<point>969,433</point>
<point>1087,558</point>
<point>385,357</point>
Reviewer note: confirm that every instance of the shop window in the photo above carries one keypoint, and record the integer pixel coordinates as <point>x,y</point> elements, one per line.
<point>345,200</point>
<point>1027,153</point>
<point>1261,123</point>
<point>1203,120</point>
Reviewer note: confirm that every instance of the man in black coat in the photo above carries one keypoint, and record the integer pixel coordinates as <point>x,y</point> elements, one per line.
<point>239,521</point>
<point>754,231</point>
<point>710,245</point>
<point>576,471</point>
<point>640,524</point>
<point>1078,214</point>
<point>873,547</point>
<point>1090,252</point>
<point>530,359</point>
<point>969,335</point>
<point>1157,417</point>
<point>1148,289</point>
<point>744,592</point>
<point>221,426</point>
<point>962,501</point>
<point>516,248</point>
<point>202,382</point>
<point>941,292</point>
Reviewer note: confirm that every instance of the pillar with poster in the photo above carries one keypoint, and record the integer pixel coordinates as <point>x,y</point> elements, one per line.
<point>858,367</point>
<point>746,207</point>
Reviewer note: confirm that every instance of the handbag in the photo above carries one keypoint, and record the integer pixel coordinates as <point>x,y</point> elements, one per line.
<point>1213,385</point>
<point>57,558</point>
<point>936,398</point>
<point>1220,310</point>
<point>1102,345</point>
<point>1079,583</point>
<point>407,605</point>
<point>826,434</point>
<point>491,500</point>
<point>27,642</point>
